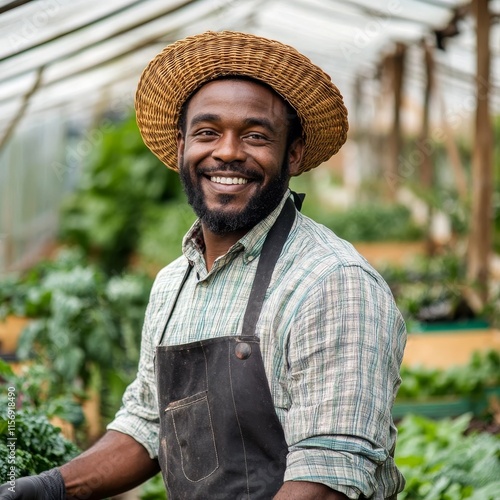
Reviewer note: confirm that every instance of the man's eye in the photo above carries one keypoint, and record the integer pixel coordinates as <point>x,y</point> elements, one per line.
<point>204,134</point>
<point>256,137</point>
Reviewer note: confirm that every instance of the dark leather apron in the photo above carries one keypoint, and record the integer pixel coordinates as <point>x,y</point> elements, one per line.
<point>220,437</point>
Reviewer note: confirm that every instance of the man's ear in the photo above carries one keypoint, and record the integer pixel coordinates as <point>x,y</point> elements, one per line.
<point>180,146</point>
<point>295,153</point>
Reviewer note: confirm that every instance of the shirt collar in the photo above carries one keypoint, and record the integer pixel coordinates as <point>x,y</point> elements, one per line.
<point>251,244</point>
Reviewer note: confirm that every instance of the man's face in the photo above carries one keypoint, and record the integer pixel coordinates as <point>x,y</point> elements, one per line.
<point>233,159</point>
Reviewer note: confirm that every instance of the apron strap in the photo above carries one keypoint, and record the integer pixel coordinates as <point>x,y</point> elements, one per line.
<point>271,251</point>
<point>174,302</point>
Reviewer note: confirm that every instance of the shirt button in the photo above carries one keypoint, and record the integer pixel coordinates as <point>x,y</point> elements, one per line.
<point>242,350</point>
<point>250,258</point>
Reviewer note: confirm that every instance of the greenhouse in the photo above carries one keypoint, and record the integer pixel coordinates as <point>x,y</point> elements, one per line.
<point>90,216</point>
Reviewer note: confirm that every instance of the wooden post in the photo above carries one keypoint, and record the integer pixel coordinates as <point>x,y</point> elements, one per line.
<point>395,138</point>
<point>424,145</point>
<point>480,234</point>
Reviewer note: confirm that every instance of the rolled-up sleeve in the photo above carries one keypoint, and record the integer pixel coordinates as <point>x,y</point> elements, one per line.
<point>344,353</point>
<point>138,415</point>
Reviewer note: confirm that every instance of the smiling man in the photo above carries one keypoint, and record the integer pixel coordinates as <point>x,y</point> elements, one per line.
<point>271,349</point>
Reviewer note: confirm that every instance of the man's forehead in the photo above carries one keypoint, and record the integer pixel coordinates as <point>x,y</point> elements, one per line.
<point>220,81</point>
<point>237,78</point>
<point>236,92</point>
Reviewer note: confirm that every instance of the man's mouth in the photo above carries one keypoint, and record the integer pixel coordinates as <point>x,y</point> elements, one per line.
<point>229,180</point>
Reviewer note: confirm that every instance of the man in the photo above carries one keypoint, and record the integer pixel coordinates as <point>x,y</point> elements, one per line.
<point>271,350</point>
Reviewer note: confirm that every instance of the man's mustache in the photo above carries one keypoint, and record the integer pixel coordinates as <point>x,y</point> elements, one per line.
<point>233,168</point>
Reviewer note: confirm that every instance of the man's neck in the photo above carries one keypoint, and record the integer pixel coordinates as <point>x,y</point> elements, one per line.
<point>217,245</point>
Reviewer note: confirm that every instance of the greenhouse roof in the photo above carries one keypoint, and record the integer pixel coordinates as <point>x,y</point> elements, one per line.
<point>74,55</point>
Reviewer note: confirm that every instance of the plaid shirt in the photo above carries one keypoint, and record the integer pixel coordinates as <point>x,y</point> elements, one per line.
<point>331,338</point>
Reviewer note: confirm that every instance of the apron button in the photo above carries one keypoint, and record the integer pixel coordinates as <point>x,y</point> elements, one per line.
<point>242,350</point>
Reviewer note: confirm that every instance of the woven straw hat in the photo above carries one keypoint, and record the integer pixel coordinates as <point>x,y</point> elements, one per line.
<point>184,66</point>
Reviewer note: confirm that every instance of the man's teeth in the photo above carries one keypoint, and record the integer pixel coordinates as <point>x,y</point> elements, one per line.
<point>229,180</point>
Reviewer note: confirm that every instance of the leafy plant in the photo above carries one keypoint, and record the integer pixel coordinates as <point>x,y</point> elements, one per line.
<point>483,371</point>
<point>441,462</point>
<point>38,444</point>
<point>86,327</point>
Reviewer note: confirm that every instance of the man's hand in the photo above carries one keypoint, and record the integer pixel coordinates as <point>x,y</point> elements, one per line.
<point>47,486</point>
<point>23,489</point>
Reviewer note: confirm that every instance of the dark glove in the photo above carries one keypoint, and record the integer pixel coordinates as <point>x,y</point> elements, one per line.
<point>46,486</point>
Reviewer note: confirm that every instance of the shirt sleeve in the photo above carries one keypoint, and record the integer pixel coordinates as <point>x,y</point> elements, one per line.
<point>344,353</point>
<point>138,415</point>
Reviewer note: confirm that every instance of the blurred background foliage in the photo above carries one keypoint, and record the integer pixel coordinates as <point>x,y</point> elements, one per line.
<point>121,184</point>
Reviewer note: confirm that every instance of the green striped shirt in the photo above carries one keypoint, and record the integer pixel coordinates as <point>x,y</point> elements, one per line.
<point>332,342</point>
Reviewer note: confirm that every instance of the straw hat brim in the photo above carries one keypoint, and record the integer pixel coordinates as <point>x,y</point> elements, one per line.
<point>184,66</point>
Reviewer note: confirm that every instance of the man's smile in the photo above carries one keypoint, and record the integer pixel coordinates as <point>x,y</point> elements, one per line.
<point>226,183</point>
<point>228,180</point>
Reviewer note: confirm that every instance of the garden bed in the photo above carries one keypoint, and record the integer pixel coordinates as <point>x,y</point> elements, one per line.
<point>443,348</point>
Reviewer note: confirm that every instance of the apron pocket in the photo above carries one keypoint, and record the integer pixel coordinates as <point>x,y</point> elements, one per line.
<point>190,425</point>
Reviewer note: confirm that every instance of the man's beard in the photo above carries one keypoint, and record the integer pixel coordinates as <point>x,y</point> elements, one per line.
<point>258,207</point>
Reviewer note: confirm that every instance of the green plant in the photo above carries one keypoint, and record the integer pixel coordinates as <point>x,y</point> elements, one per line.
<point>154,489</point>
<point>367,222</point>
<point>29,443</point>
<point>39,446</point>
<point>441,462</point>
<point>162,232</point>
<point>121,180</point>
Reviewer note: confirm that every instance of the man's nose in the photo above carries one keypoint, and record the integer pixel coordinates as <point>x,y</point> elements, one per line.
<point>229,147</point>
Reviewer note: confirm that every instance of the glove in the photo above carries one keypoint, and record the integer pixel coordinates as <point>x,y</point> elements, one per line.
<point>46,486</point>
